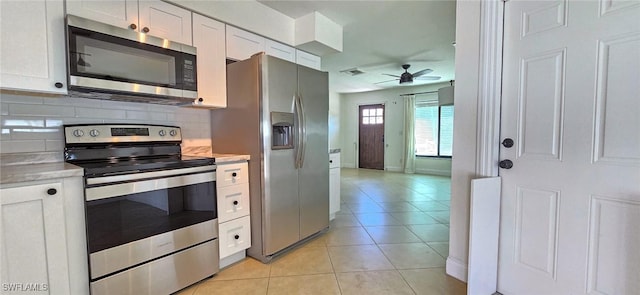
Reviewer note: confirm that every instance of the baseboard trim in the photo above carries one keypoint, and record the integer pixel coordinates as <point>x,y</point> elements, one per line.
<point>348,165</point>
<point>434,172</point>
<point>456,269</point>
<point>393,169</point>
<point>229,260</point>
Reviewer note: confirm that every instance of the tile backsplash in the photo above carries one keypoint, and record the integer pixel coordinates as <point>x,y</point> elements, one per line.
<point>32,123</point>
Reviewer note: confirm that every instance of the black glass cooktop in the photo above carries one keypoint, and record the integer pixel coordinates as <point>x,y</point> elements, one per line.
<point>118,166</point>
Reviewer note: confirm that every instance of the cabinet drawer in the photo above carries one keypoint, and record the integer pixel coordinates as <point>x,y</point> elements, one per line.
<point>233,202</point>
<point>235,236</point>
<point>230,174</point>
<point>334,160</point>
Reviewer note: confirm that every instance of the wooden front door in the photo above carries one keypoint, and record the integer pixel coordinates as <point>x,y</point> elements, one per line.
<point>371,122</point>
<point>570,174</point>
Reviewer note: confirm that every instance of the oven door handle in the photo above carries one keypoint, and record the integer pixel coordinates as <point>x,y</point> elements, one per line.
<point>128,188</point>
<point>149,175</point>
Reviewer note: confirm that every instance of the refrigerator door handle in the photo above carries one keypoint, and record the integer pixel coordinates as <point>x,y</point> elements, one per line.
<point>304,131</point>
<point>298,110</point>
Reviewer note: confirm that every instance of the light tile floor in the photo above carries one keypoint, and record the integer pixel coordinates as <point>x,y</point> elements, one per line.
<point>391,236</point>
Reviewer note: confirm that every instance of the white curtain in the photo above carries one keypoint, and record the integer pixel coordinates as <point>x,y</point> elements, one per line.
<point>409,139</point>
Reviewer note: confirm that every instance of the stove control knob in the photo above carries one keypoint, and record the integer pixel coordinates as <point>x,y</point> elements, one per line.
<point>78,133</point>
<point>173,133</point>
<point>94,132</point>
<point>162,132</point>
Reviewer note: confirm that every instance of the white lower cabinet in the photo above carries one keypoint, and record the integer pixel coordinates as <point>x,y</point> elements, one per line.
<point>233,202</point>
<point>232,192</point>
<point>235,236</point>
<point>42,237</point>
<point>334,184</point>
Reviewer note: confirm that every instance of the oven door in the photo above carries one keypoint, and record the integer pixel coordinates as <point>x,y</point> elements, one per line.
<point>135,218</point>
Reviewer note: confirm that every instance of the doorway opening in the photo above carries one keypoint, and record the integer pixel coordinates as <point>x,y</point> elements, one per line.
<point>371,136</point>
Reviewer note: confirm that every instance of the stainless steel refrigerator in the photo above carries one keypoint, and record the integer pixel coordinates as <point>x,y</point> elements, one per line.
<point>277,112</point>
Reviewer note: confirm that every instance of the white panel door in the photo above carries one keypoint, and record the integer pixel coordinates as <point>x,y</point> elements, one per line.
<point>166,21</point>
<point>308,60</point>
<point>280,50</point>
<point>33,239</point>
<point>119,13</point>
<point>242,45</point>
<point>208,38</point>
<point>571,103</point>
<point>32,54</point>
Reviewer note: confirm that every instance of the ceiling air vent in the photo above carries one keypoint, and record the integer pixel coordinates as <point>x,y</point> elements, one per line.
<point>352,72</point>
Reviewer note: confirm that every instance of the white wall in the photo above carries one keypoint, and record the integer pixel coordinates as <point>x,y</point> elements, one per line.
<point>464,134</point>
<point>334,118</point>
<point>252,16</point>
<point>394,128</point>
<point>32,123</point>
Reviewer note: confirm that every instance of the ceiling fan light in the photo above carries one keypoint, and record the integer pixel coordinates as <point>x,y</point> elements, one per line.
<point>406,78</point>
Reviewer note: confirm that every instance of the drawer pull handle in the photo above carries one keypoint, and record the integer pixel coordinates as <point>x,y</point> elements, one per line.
<point>52,191</point>
<point>235,203</point>
<point>234,174</point>
<point>237,237</point>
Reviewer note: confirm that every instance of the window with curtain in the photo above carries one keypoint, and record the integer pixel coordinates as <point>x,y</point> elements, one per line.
<point>433,127</point>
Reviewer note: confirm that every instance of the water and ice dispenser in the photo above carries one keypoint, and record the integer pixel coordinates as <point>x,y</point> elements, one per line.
<point>282,130</point>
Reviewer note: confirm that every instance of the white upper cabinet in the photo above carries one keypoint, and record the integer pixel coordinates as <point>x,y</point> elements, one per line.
<point>32,54</point>
<point>166,21</point>
<point>119,13</point>
<point>242,44</point>
<point>280,50</point>
<point>209,39</point>
<point>308,60</point>
<point>153,17</point>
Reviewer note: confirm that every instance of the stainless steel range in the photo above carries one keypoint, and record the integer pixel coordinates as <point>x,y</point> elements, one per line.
<point>151,213</point>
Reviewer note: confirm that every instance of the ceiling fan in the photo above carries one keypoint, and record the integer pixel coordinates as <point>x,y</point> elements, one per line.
<point>407,78</point>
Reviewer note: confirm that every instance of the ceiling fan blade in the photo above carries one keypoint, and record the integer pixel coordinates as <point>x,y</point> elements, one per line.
<point>392,75</point>
<point>386,81</point>
<point>423,72</point>
<point>428,78</point>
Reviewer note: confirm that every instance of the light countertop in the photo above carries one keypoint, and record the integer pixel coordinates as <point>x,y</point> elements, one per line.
<point>228,158</point>
<point>33,172</point>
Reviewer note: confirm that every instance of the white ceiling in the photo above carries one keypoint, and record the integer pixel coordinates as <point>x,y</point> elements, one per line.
<point>380,36</point>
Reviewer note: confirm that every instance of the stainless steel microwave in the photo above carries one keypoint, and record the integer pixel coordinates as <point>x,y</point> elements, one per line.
<point>108,62</point>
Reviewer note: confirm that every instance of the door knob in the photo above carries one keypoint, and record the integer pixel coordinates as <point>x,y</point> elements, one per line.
<point>506,164</point>
<point>507,142</point>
